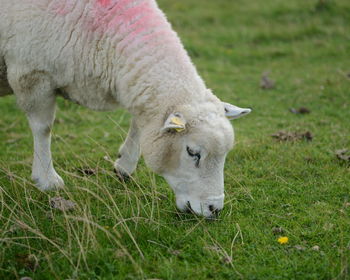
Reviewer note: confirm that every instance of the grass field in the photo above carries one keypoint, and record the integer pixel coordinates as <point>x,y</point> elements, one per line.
<point>273,188</point>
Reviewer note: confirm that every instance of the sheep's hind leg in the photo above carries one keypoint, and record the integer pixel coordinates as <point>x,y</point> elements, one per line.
<point>36,97</point>
<point>129,153</point>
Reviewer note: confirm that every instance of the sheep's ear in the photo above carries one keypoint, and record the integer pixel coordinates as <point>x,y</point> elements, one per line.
<point>175,122</point>
<point>233,112</point>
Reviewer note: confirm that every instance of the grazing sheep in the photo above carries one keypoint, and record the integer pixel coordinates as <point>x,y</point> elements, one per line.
<point>105,53</point>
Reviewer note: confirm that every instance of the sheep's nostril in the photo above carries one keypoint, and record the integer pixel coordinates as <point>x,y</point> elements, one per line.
<point>214,210</point>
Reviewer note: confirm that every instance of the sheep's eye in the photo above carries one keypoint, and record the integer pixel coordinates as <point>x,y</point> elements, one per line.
<point>195,155</point>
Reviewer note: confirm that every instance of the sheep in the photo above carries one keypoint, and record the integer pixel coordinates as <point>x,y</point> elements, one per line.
<point>107,53</point>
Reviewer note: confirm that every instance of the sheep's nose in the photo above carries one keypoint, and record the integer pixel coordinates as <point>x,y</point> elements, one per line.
<point>215,211</point>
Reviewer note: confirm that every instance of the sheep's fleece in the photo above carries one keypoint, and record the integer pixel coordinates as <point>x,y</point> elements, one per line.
<point>105,53</point>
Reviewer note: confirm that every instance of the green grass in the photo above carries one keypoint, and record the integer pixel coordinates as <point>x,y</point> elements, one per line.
<point>133,230</point>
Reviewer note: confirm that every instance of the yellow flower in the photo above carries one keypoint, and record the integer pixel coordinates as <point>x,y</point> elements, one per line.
<point>282,240</point>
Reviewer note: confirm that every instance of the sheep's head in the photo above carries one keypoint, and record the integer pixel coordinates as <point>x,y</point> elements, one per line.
<point>189,151</point>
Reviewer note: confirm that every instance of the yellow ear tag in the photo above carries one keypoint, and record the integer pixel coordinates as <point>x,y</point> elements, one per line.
<point>179,129</point>
<point>177,121</point>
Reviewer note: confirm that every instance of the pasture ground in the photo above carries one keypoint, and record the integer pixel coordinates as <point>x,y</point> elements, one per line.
<point>133,231</point>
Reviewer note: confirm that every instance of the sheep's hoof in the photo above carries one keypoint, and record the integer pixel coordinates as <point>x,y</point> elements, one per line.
<point>48,183</point>
<point>122,176</point>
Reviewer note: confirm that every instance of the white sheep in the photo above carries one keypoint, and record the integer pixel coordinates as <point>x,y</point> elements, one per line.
<point>105,53</point>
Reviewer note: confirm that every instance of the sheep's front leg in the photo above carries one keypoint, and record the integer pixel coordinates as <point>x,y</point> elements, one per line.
<point>35,95</point>
<point>129,153</point>
<point>41,121</point>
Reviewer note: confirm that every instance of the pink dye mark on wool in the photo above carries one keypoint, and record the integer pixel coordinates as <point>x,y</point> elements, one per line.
<point>103,15</point>
<point>124,21</point>
<point>139,24</point>
<point>104,2</point>
<point>62,8</point>
<point>135,22</point>
<point>125,16</point>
